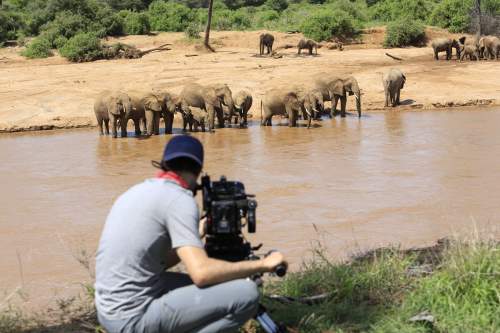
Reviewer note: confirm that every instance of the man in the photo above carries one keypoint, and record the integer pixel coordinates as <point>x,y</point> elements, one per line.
<point>149,229</point>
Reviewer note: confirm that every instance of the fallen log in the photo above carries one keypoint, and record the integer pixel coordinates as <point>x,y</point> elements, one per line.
<point>393,57</point>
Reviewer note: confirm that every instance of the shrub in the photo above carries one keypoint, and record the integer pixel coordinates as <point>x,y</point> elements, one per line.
<point>393,10</point>
<point>110,24</point>
<point>82,47</point>
<point>265,19</point>
<point>277,5</point>
<point>404,33</point>
<point>38,48</point>
<point>169,16</point>
<point>60,41</point>
<point>65,24</point>
<point>135,23</point>
<point>193,30</point>
<point>454,15</point>
<point>325,24</point>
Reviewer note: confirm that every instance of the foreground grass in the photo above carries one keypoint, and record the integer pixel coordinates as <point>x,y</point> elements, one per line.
<point>453,286</point>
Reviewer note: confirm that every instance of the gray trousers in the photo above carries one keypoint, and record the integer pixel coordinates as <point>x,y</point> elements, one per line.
<point>186,308</point>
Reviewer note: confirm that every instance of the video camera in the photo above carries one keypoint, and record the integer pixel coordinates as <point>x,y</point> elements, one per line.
<point>226,204</point>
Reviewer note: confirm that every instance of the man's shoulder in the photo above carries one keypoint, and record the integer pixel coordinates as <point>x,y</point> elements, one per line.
<point>153,185</point>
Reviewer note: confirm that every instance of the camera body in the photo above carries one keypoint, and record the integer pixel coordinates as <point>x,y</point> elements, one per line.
<point>226,204</point>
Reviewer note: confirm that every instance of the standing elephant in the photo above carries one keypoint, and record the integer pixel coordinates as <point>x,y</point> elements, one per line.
<point>242,103</point>
<point>147,105</point>
<point>112,106</point>
<point>307,44</point>
<point>445,44</point>
<point>210,98</point>
<point>171,103</point>
<point>280,102</point>
<point>194,116</point>
<point>470,51</point>
<point>489,47</point>
<point>394,80</point>
<point>311,101</point>
<point>267,41</point>
<point>338,89</point>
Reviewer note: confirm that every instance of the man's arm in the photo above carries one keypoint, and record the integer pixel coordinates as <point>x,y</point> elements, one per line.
<point>205,271</point>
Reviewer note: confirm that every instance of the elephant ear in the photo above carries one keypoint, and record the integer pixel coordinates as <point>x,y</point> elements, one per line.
<point>337,87</point>
<point>462,39</point>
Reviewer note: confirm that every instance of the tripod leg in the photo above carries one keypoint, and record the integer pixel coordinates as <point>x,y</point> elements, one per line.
<point>267,322</point>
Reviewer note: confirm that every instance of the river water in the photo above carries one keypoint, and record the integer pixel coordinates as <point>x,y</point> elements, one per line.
<point>352,184</point>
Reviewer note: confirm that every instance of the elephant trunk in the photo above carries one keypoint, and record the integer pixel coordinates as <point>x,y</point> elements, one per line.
<point>358,103</point>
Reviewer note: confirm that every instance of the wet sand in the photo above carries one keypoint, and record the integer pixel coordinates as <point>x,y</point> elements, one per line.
<point>53,93</point>
<point>352,184</point>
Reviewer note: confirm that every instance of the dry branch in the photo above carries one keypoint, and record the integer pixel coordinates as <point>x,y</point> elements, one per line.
<point>393,57</point>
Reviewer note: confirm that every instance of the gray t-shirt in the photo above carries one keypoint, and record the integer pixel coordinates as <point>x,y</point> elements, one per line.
<point>144,224</point>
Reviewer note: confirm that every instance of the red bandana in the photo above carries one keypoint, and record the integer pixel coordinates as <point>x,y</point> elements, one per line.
<point>173,176</point>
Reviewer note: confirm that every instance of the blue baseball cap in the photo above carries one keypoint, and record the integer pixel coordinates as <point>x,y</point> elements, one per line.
<point>184,146</point>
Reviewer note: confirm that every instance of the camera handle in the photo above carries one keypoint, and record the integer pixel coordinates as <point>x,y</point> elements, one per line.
<point>280,270</point>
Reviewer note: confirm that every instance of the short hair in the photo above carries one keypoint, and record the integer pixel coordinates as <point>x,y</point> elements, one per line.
<point>181,164</point>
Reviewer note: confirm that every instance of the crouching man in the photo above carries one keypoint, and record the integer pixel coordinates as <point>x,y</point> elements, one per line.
<point>151,228</point>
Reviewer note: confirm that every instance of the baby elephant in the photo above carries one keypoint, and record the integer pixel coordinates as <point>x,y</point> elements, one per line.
<point>307,44</point>
<point>195,116</point>
<point>242,103</point>
<point>394,80</point>
<point>266,40</point>
<point>469,50</point>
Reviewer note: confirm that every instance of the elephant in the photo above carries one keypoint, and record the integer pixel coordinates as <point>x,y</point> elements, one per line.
<point>194,116</point>
<point>311,101</point>
<point>115,106</point>
<point>307,44</point>
<point>445,44</point>
<point>280,102</point>
<point>394,80</point>
<point>242,103</point>
<point>469,50</point>
<point>210,98</point>
<point>171,103</point>
<point>267,41</point>
<point>489,47</point>
<point>338,88</point>
<point>148,106</point>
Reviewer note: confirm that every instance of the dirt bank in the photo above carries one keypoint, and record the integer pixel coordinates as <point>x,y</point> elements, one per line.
<point>53,93</point>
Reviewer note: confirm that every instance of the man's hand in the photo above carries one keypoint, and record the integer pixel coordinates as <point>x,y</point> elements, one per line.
<point>273,260</point>
<point>206,271</point>
<point>202,227</point>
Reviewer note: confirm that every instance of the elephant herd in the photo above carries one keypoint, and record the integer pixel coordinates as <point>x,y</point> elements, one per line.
<point>200,105</point>
<point>266,41</point>
<point>475,48</point>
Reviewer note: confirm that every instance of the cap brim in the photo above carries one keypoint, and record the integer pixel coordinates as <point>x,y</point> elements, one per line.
<point>183,154</point>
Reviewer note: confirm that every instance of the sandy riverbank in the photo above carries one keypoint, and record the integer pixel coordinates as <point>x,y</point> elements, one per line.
<point>53,93</point>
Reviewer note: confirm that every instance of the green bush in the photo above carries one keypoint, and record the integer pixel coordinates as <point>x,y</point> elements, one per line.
<point>393,10</point>
<point>169,16</point>
<point>266,18</point>
<point>325,24</point>
<point>82,47</point>
<point>453,15</point>
<point>193,30</point>
<point>135,23</point>
<point>277,5</point>
<point>404,33</point>
<point>38,48</point>
<point>227,19</point>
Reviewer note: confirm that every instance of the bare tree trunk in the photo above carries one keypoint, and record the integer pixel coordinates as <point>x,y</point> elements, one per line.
<point>209,22</point>
<point>478,12</point>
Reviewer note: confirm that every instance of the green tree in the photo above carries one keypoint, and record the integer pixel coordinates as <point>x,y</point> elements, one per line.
<point>169,16</point>
<point>405,32</point>
<point>325,24</point>
<point>277,5</point>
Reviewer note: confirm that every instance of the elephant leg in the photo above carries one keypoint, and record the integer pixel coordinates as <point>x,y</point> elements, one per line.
<point>398,96</point>
<point>169,121</point>
<point>184,122</point>
<point>137,125</point>
<point>220,118</point>
<point>144,126</point>
<point>436,55</point>
<point>343,102</point>
<point>106,126</point>
<point>156,119</point>
<point>333,111</point>
<point>100,122</point>
<point>123,126</point>
<point>386,97</point>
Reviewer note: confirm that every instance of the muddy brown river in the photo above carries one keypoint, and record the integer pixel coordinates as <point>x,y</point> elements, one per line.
<point>388,178</point>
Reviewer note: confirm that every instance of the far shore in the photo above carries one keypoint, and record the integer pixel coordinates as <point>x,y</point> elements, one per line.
<point>55,94</point>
